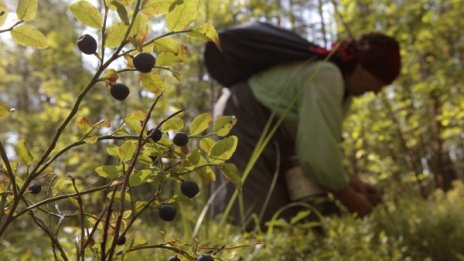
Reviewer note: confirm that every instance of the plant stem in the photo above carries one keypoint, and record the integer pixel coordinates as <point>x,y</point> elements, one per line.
<point>12,27</point>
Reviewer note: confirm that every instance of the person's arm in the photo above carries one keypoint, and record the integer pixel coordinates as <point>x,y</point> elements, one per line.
<point>319,133</point>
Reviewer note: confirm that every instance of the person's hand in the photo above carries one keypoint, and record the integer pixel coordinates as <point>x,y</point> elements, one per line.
<point>373,194</point>
<point>354,201</point>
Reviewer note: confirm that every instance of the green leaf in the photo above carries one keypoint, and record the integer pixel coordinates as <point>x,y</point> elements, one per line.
<point>231,173</point>
<point>200,123</point>
<point>29,36</point>
<point>4,110</point>
<point>122,12</point>
<point>156,7</point>
<point>23,152</point>
<point>87,14</point>
<point>123,2</point>
<point>135,119</point>
<point>224,124</point>
<point>206,144</point>
<point>127,149</point>
<point>113,150</point>
<point>140,27</point>
<point>174,124</point>
<point>207,32</point>
<point>224,149</point>
<point>299,216</point>
<point>192,160</point>
<point>182,15</point>
<point>115,35</point>
<point>3,12</point>
<point>139,177</point>
<point>166,45</point>
<point>26,10</point>
<point>153,82</point>
<point>109,171</point>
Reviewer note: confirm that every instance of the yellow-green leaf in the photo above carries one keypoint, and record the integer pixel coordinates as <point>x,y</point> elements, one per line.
<point>174,124</point>
<point>127,149</point>
<point>23,152</point>
<point>206,144</point>
<point>112,150</point>
<point>29,36</point>
<point>26,9</point>
<point>156,7</point>
<point>122,12</point>
<point>224,149</point>
<point>153,82</point>
<point>109,171</point>
<point>231,172</point>
<point>91,139</point>
<point>166,45</point>
<point>140,26</point>
<point>115,35</point>
<point>224,124</point>
<point>192,159</point>
<point>83,124</point>
<point>207,32</point>
<point>182,15</point>
<point>87,13</point>
<point>3,12</point>
<point>200,123</point>
<point>134,121</point>
<point>124,2</point>
<point>4,110</point>
<point>139,177</point>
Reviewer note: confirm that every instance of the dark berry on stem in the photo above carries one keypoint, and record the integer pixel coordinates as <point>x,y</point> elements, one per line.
<point>144,62</point>
<point>121,240</point>
<point>87,44</point>
<point>189,188</point>
<point>205,258</point>
<point>167,213</point>
<point>180,139</point>
<point>119,91</point>
<point>155,134</point>
<point>173,258</point>
<point>35,188</point>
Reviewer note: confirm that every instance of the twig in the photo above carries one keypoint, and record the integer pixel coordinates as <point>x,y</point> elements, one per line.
<point>81,209</point>
<point>164,246</point>
<point>107,225</point>
<point>9,170</point>
<point>94,228</point>
<point>12,27</point>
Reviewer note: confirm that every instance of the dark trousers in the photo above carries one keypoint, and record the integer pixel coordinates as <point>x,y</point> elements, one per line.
<point>251,120</point>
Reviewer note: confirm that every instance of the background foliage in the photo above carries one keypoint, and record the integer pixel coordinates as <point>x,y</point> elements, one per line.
<point>408,140</point>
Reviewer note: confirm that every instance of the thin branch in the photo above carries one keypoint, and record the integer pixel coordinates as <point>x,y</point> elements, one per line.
<point>9,170</point>
<point>81,209</point>
<point>12,27</point>
<point>107,225</point>
<point>129,170</point>
<point>46,201</point>
<point>94,229</point>
<point>163,246</point>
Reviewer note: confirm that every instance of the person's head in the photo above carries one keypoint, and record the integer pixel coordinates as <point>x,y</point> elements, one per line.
<point>370,63</point>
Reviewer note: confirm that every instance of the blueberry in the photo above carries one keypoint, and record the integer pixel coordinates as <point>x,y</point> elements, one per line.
<point>121,240</point>
<point>167,213</point>
<point>87,44</point>
<point>119,91</point>
<point>144,62</point>
<point>189,188</point>
<point>35,188</point>
<point>173,258</point>
<point>205,258</point>
<point>180,139</point>
<point>155,134</point>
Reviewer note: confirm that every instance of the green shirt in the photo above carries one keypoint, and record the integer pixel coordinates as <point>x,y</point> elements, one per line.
<point>315,93</point>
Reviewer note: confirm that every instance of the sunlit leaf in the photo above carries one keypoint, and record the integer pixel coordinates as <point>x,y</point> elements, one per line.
<point>29,36</point>
<point>139,177</point>
<point>156,7</point>
<point>86,13</point>
<point>91,139</point>
<point>135,119</point>
<point>101,124</point>
<point>153,82</point>
<point>207,32</point>
<point>115,35</point>
<point>182,15</point>
<point>23,152</point>
<point>200,123</point>
<point>84,125</point>
<point>127,150</point>
<point>109,171</point>
<point>26,10</point>
<point>224,149</point>
<point>3,12</point>
<point>174,124</point>
<point>166,45</point>
<point>113,150</point>
<point>223,125</point>
<point>206,144</point>
<point>140,26</point>
<point>4,110</point>
<point>231,173</point>
<point>192,160</point>
<point>124,2</point>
